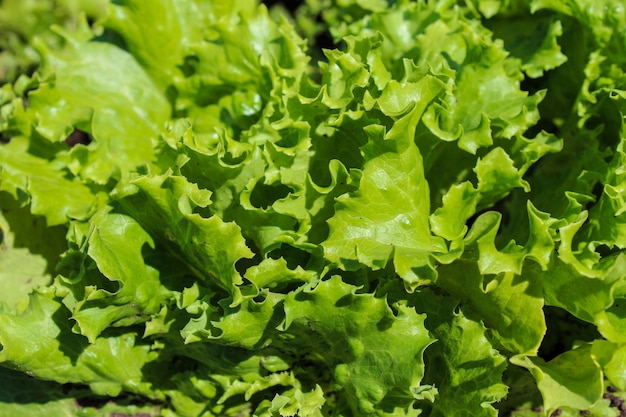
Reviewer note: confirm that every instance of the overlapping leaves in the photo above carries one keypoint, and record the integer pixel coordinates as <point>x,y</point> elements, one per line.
<point>242,231</point>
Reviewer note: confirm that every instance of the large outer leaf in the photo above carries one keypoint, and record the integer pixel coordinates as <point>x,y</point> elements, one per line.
<point>93,86</point>
<point>138,291</point>
<point>34,180</point>
<point>375,356</point>
<point>158,33</point>
<point>118,90</point>
<point>387,218</point>
<point>462,364</point>
<point>39,341</point>
<point>164,205</point>
<point>500,286</point>
<point>572,379</point>
<point>100,89</point>
<point>594,299</point>
<point>509,304</point>
<point>56,107</point>
<point>25,260</point>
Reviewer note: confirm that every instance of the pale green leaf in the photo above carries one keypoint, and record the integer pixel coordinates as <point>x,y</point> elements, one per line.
<point>572,379</point>
<point>366,346</point>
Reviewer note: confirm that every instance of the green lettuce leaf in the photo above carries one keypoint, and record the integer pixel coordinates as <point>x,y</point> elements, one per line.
<point>133,288</point>
<point>572,379</point>
<point>39,341</point>
<point>25,260</point>
<point>387,218</point>
<point>469,376</point>
<point>209,247</point>
<point>505,290</point>
<point>366,346</point>
<point>33,180</point>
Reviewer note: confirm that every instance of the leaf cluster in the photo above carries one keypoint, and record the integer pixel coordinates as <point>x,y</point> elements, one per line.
<point>341,208</point>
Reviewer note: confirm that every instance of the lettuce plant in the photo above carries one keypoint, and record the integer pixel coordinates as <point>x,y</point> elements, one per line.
<point>354,208</point>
